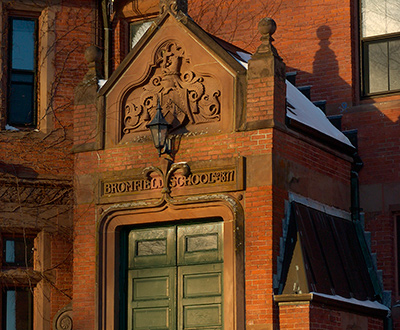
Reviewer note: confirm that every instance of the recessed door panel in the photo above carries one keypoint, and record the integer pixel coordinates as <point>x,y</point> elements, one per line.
<point>200,296</point>
<point>153,247</point>
<point>151,298</point>
<point>200,244</point>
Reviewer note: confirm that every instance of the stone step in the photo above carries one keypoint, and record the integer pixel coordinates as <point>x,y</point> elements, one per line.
<point>291,77</point>
<point>336,121</point>
<point>306,90</point>
<point>321,104</point>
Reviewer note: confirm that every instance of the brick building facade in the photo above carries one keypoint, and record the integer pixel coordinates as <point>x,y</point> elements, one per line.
<point>253,215</point>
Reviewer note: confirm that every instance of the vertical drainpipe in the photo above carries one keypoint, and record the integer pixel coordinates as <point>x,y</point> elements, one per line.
<point>355,190</point>
<point>107,38</point>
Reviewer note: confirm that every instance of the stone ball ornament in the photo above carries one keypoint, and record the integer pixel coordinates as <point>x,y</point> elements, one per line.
<point>93,54</point>
<point>267,26</point>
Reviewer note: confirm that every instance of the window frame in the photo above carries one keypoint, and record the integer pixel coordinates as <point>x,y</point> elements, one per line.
<point>28,240</point>
<point>3,294</point>
<point>143,20</point>
<point>364,58</point>
<point>16,284</point>
<point>10,18</point>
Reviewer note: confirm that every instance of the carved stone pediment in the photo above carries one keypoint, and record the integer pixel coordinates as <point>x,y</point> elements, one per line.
<point>199,85</point>
<point>186,96</point>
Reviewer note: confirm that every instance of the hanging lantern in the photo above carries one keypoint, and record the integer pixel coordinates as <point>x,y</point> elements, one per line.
<point>159,131</point>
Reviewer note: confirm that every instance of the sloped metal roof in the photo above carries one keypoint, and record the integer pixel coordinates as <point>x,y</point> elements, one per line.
<point>332,258</point>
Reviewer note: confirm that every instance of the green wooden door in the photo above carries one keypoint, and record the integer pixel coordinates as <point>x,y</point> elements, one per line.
<point>175,277</point>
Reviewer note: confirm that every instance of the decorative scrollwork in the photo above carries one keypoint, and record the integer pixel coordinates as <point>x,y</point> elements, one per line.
<point>185,96</point>
<point>174,6</point>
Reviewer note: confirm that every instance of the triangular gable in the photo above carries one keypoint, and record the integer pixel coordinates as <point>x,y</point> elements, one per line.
<point>323,255</point>
<point>176,62</point>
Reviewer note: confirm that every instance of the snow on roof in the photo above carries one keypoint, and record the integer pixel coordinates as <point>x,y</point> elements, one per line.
<point>301,109</point>
<point>242,57</point>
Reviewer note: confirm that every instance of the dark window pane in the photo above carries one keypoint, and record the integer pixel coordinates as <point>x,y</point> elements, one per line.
<point>18,309</point>
<point>378,67</point>
<point>22,77</point>
<point>10,252</point>
<point>21,104</point>
<point>18,251</point>
<point>23,44</point>
<point>394,64</point>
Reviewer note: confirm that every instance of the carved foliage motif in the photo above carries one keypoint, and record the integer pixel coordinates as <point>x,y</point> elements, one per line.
<point>185,97</point>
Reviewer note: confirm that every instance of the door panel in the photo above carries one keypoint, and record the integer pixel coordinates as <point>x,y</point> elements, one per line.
<point>200,296</point>
<point>200,244</point>
<point>153,247</point>
<point>151,299</point>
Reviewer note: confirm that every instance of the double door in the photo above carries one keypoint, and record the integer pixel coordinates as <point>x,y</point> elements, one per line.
<point>175,277</point>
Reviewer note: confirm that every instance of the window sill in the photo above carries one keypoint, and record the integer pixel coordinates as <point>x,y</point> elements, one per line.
<point>381,97</point>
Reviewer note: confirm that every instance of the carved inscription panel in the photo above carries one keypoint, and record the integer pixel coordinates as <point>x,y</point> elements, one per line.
<point>177,181</point>
<point>203,178</point>
<point>187,97</point>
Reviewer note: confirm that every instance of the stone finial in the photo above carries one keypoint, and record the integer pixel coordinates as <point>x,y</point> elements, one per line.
<point>267,28</point>
<point>86,91</point>
<point>93,56</point>
<point>174,6</point>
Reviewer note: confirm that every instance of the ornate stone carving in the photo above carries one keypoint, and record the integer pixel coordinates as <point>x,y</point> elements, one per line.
<point>63,319</point>
<point>185,96</point>
<point>174,6</point>
<point>35,192</point>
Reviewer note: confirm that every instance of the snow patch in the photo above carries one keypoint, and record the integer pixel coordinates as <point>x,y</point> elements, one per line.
<point>11,128</point>
<point>101,82</point>
<point>242,57</point>
<point>300,108</point>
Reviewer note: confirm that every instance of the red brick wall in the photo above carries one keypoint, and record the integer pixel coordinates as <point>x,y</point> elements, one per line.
<point>84,274</point>
<point>322,317</point>
<point>61,263</point>
<point>85,122</point>
<point>74,32</point>
<point>296,317</point>
<point>314,38</point>
<point>311,316</point>
<point>259,256</point>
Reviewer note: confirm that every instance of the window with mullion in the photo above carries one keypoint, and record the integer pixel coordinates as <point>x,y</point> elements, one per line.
<point>17,310</point>
<point>380,37</point>
<point>22,64</point>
